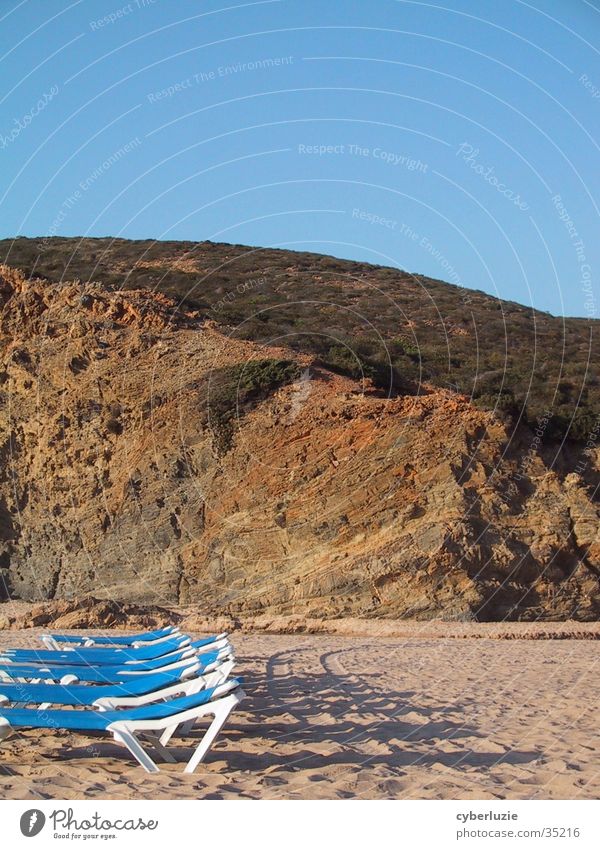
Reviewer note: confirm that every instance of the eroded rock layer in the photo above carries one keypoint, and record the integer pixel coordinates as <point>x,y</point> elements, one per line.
<point>325,500</point>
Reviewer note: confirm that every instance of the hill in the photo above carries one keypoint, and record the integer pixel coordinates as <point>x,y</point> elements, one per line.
<point>150,455</point>
<point>396,328</point>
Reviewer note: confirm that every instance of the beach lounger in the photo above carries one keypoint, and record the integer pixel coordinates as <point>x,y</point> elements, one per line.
<point>202,661</point>
<point>132,693</point>
<point>55,641</point>
<point>98,655</point>
<point>74,662</point>
<point>143,655</point>
<point>149,721</point>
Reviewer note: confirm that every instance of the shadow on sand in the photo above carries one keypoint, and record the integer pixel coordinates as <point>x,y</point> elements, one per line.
<point>315,720</point>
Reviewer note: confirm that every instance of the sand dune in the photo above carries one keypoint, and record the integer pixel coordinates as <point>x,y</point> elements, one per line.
<point>340,717</point>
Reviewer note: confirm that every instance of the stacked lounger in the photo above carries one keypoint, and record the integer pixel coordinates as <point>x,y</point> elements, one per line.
<point>141,687</point>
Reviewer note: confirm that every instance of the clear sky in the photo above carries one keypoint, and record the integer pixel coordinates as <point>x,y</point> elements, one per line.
<point>458,139</point>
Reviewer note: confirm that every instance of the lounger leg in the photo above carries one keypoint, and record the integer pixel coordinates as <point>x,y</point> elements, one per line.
<point>160,750</point>
<point>142,757</point>
<point>168,733</point>
<point>221,712</point>
<point>186,727</point>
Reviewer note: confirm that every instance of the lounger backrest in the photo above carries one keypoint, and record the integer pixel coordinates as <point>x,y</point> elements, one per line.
<point>80,694</point>
<point>98,655</point>
<point>123,639</point>
<point>93,675</point>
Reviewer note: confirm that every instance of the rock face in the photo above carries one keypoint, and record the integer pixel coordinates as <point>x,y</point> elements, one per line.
<point>327,501</point>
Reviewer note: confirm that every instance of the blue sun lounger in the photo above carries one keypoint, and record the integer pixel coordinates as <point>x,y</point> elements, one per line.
<point>52,641</point>
<point>155,722</point>
<point>110,656</point>
<point>82,694</point>
<point>98,655</point>
<point>107,674</point>
<point>61,642</point>
<point>171,660</point>
<point>134,692</point>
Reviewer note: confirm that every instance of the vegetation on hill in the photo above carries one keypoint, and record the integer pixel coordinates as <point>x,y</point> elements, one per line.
<point>234,390</point>
<point>367,321</point>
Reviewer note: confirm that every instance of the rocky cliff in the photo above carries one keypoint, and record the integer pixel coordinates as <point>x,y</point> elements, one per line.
<point>148,457</point>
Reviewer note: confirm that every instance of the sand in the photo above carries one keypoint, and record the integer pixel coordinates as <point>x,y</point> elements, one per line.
<point>360,717</point>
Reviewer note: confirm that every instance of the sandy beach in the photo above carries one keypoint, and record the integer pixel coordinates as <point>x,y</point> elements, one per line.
<point>361,717</point>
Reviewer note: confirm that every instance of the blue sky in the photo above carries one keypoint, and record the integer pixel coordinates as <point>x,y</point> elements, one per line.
<point>457,139</point>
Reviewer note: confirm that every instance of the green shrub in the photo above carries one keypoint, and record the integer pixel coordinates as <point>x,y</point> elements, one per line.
<point>234,391</point>
<point>345,361</point>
